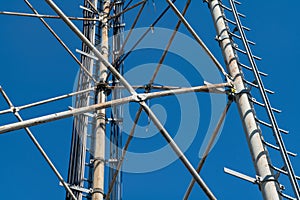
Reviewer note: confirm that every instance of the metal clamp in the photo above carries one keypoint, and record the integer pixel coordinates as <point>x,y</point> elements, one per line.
<point>103,86</point>
<point>260,181</point>
<point>98,190</point>
<point>220,38</point>
<point>231,93</point>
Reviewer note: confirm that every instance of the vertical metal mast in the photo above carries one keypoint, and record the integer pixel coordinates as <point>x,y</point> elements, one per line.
<point>99,134</point>
<point>83,126</point>
<point>117,111</point>
<point>269,186</point>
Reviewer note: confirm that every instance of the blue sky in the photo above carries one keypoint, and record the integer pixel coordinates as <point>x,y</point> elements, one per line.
<point>35,67</point>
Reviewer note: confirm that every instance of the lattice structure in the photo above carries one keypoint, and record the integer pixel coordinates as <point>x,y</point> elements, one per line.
<point>99,143</point>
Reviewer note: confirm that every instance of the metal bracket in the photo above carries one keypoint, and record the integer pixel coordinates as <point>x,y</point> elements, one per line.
<point>111,160</point>
<point>78,188</point>
<point>242,176</point>
<point>257,180</point>
<point>220,38</point>
<point>87,54</point>
<point>98,190</point>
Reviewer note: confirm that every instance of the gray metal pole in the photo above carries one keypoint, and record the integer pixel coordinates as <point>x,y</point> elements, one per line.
<point>124,100</point>
<point>98,138</point>
<point>269,186</point>
<point>78,111</point>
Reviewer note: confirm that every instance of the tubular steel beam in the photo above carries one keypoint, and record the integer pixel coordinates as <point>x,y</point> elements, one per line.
<point>98,137</point>
<point>20,14</point>
<point>37,144</point>
<point>261,160</point>
<point>78,111</point>
<point>54,99</point>
<point>62,115</point>
<point>49,100</point>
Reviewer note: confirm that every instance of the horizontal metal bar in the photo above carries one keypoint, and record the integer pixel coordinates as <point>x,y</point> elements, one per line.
<point>154,87</point>
<point>244,52</point>
<point>240,175</point>
<point>185,90</point>
<point>234,23</point>
<point>237,2</point>
<point>87,54</point>
<point>215,90</point>
<point>230,10</point>
<point>263,105</point>
<point>249,68</point>
<point>283,171</point>
<point>62,115</point>
<point>76,111</point>
<point>2,112</point>
<point>277,148</point>
<point>256,86</point>
<point>240,38</point>
<point>286,196</point>
<point>77,188</point>
<point>55,99</point>
<point>270,126</point>
<point>20,14</point>
<point>86,9</point>
<point>93,7</point>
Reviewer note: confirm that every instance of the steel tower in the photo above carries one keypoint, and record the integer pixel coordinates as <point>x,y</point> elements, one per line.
<point>98,148</point>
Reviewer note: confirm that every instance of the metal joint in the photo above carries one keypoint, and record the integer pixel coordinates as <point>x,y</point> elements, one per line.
<point>103,86</point>
<point>148,88</point>
<point>231,93</point>
<point>139,97</point>
<point>244,91</point>
<point>14,109</point>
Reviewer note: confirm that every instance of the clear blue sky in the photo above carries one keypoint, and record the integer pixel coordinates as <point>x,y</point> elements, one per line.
<point>35,67</point>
